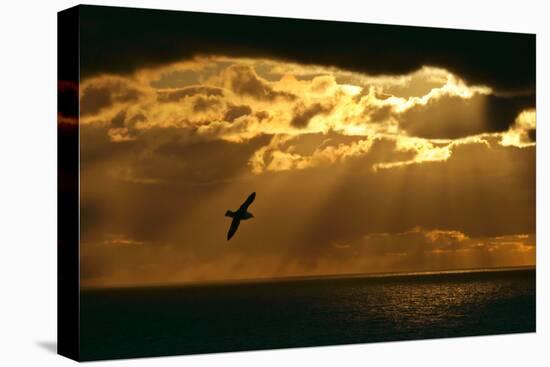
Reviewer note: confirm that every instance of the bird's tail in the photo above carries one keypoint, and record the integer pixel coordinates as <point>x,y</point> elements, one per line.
<point>229,213</point>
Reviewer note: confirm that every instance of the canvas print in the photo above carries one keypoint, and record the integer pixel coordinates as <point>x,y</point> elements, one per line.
<point>231,183</point>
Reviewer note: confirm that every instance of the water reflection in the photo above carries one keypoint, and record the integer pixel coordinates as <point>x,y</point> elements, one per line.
<point>179,320</point>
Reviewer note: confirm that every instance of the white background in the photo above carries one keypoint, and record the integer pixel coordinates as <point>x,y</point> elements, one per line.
<point>28,184</point>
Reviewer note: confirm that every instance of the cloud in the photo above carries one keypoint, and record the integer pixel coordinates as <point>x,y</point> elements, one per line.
<point>378,49</point>
<point>447,117</point>
<point>118,120</point>
<point>204,104</point>
<point>144,263</point>
<point>235,104</point>
<point>243,80</point>
<point>273,157</point>
<point>438,249</point>
<point>116,240</point>
<point>120,134</point>
<point>234,112</point>
<point>175,95</point>
<point>177,79</point>
<point>522,132</point>
<point>452,116</point>
<point>323,83</point>
<point>104,92</point>
<point>200,161</point>
<point>425,150</point>
<point>303,114</point>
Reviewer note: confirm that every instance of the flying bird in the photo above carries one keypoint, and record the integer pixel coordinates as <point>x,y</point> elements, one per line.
<point>241,214</point>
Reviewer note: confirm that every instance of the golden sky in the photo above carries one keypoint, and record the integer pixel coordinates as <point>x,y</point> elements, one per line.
<point>354,173</point>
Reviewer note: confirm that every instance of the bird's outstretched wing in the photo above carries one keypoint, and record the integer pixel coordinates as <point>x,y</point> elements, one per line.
<point>248,201</point>
<point>234,225</point>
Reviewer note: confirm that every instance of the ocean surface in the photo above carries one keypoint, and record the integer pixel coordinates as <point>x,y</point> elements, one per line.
<point>157,321</point>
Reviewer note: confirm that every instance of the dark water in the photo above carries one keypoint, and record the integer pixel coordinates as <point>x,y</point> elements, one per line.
<point>142,322</point>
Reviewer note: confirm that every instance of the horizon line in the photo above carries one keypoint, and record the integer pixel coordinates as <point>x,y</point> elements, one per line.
<point>291,278</point>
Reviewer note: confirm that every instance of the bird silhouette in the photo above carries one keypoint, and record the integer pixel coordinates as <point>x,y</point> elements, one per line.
<point>241,214</point>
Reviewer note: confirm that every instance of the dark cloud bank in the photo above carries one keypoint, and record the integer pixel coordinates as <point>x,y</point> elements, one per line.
<point>504,61</point>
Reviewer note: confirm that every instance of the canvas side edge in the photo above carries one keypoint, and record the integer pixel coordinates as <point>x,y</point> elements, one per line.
<point>68,279</point>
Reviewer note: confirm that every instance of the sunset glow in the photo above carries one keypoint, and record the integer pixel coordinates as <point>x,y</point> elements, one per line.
<point>364,146</point>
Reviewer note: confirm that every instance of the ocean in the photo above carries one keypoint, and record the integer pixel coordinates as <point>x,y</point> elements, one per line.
<point>160,321</point>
